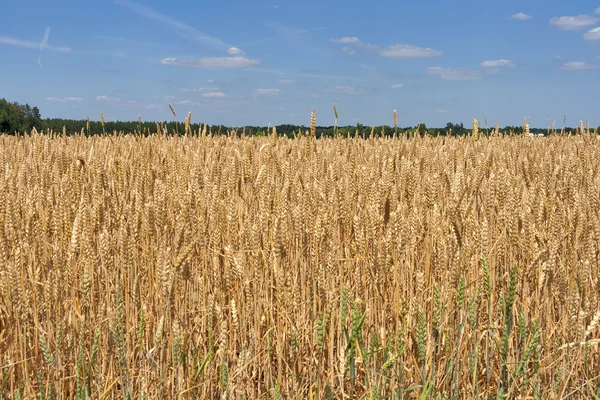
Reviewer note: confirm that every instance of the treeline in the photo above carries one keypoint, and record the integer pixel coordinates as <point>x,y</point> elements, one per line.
<point>15,117</point>
<point>290,130</point>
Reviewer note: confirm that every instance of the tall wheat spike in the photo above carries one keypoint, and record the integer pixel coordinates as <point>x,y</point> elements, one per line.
<point>335,112</point>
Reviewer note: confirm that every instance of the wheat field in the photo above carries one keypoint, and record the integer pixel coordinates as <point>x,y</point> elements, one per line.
<point>201,267</point>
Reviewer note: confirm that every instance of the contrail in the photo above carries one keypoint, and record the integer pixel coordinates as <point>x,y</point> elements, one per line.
<point>190,31</point>
<point>43,45</point>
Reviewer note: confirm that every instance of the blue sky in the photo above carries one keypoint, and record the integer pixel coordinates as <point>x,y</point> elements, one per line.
<point>259,62</point>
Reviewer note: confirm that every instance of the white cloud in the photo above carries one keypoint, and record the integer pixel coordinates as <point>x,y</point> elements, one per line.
<point>211,62</point>
<point>345,89</point>
<point>498,63</point>
<point>442,111</point>
<point>392,51</point>
<point>348,50</point>
<point>109,99</point>
<point>573,22</point>
<point>408,51</point>
<point>275,6</point>
<point>345,40</point>
<point>235,51</point>
<point>190,31</point>
<point>185,102</point>
<point>267,92</point>
<point>597,10</point>
<point>557,57</point>
<point>152,106</point>
<point>578,66</point>
<point>65,99</point>
<point>286,81</point>
<point>202,89</point>
<point>210,80</point>
<point>397,86</point>
<point>213,94</point>
<point>521,16</point>
<point>460,74</point>
<point>169,98</point>
<point>592,34</point>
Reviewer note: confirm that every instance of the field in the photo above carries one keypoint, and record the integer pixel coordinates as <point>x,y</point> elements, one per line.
<point>269,267</point>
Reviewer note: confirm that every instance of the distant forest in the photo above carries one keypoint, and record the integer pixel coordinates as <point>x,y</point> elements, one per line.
<point>19,118</point>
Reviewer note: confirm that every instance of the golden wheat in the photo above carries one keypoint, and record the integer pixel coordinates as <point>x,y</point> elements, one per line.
<point>217,266</point>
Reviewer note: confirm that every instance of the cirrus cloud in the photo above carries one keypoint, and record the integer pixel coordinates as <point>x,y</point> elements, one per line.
<point>397,86</point>
<point>108,99</point>
<point>267,92</point>
<point>572,23</point>
<point>211,62</point>
<point>345,40</point>
<point>213,94</point>
<point>399,50</point>
<point>460,74</point>
<point>201,89</point>
<point>345,89</point>
<point>151,106</point>
<point>498,63</point>
<point>65,99</point>
<point>407,51</point>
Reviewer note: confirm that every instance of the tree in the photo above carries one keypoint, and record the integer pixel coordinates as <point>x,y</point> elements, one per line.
<point>15,117</point>
<point>31,118</point>
<point>9,117</point>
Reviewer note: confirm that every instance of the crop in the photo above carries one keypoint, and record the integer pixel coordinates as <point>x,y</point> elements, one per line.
<point>269,267</point>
